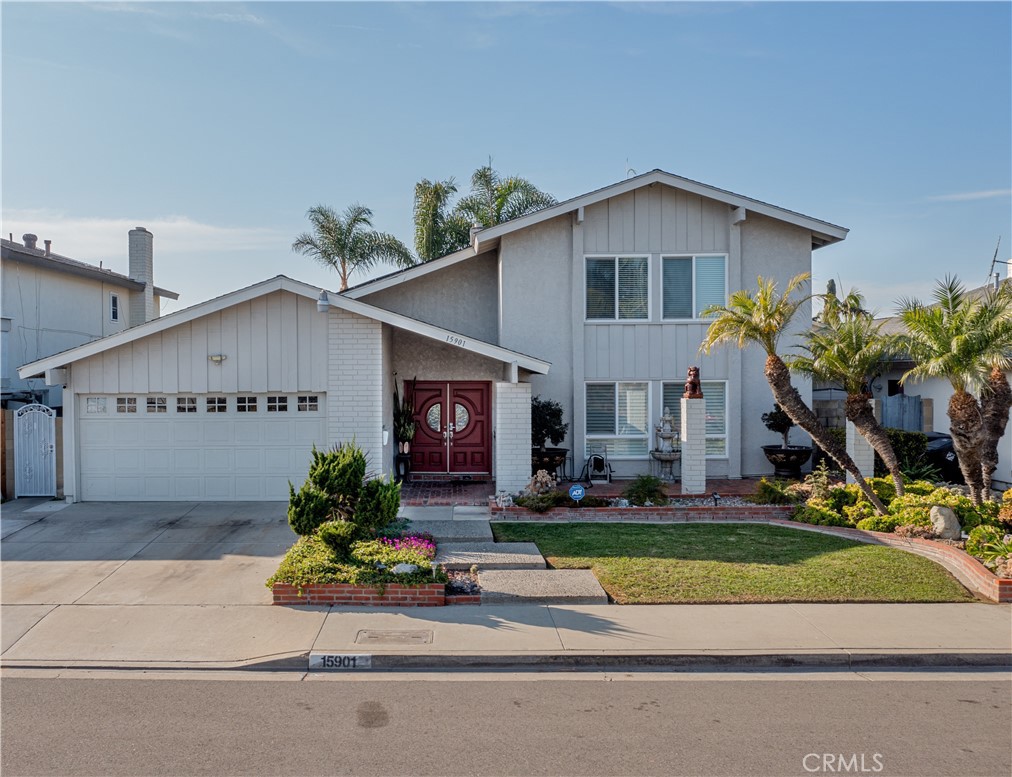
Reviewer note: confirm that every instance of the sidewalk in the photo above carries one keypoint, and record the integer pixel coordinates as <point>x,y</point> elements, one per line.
<point>267,637</point>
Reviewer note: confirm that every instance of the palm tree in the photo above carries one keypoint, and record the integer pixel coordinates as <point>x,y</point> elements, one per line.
<point>348,243</point>
<point>494,199</point>
<point>761,319</point>
<point>968,342</point>
<point>438,232</point>
<point>846,348</point>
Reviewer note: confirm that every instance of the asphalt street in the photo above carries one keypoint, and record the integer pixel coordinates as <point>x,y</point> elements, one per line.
<point>663,723</point>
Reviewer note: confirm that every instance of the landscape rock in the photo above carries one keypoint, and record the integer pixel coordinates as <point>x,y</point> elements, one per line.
<point>404,569</point>
<point>945,523</point>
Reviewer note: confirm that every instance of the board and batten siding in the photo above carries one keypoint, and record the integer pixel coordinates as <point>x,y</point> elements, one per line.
<point>277,342</point>
<point>649,352</point>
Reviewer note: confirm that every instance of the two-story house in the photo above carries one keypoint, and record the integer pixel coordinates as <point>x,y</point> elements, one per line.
<point>595,302</point>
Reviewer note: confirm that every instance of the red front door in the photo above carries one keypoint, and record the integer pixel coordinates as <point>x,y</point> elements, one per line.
<point>453,423</point>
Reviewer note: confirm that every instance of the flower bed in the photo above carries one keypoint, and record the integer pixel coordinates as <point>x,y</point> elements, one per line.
<point>664,514</point>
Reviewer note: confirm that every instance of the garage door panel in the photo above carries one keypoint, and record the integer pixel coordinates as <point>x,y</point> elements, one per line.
<point>194,456</point>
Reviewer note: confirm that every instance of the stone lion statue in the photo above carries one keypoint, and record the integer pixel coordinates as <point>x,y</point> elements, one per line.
<point>692,387</point>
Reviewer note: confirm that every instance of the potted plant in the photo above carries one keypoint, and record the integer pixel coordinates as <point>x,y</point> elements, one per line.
<point>547,425</point>
<point>404,430</point>
<point>786,459</point>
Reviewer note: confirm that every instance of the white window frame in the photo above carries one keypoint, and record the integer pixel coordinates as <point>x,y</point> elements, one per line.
<point>95,406</point>
<point>186,404</point>
<point>243,406</point>
<point>115,311</point>
<point>308,403</point>
<point>126,405</point>
<point>155,405</point>
<point>588,439</point>
<point>727,404</point>
<point>703,254</point>
<point>214,404</point>
<point>277,403</point>
<point>616,319</point>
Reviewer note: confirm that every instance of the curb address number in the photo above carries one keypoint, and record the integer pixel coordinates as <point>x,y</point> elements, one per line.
<point>340,661</point>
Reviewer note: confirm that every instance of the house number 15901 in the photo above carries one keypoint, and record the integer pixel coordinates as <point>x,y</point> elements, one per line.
<point>339,661</point>
<point>455,340</point>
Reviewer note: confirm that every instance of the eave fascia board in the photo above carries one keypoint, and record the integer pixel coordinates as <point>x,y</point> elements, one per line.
<point>411,273</point>
<point>77,270</point>
<point>278,283</point>
<point>441,335</point>
<point>832,233</point>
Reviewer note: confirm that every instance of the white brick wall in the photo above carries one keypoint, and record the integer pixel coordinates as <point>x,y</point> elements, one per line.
<point>861,452</point>
<point>355,383</point>
<point>512,436</point>
<point>693,446</point>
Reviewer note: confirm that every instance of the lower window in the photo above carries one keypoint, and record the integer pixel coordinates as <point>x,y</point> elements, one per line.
<point>715,403</point>
<point>617,417</point>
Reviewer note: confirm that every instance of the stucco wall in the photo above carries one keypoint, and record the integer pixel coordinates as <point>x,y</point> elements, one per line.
<point>462,298</point>
<point>419,357</point>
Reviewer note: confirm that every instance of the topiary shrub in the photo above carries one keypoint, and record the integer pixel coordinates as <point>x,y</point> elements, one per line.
<point>307,508</point>
<point>644,489</point>
<point>979,537</point>
<point>378,503</point>
<point>339,473</point>
<point>774,492</point>
<point>338,536</point>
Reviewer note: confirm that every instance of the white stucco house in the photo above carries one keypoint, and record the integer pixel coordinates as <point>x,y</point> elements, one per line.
<point>593,302</point>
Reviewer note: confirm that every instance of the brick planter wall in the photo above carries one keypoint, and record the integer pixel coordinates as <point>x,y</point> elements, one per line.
<point>644,514</point>
<point>463,599</point>
<point>425,595</point>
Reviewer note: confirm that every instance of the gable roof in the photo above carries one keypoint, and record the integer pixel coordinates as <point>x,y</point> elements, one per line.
<point>823,232</point>
<point>37,257</point>
<point>282,283</point>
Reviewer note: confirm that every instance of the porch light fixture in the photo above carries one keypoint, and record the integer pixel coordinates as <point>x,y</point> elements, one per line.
<point>323,302</point>
<point>217,358</point>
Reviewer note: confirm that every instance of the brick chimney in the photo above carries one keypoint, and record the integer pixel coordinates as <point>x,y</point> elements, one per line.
<point>141,250</point>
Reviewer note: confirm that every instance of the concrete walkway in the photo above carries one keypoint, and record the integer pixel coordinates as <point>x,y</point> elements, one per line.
<point>181,585</point>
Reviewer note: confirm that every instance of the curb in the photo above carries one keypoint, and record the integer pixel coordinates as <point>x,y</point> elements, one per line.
<point>840,659</point>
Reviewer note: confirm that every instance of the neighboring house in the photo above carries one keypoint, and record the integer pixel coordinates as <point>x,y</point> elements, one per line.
<point>51,303</point>
<point>594,302</point>
<point>939,391</point>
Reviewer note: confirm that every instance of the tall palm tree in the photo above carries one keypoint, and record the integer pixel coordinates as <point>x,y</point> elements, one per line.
<point>761,319</point>
<point>438,231</point>
<point>967,341</point>
<point>494,199</point>
<point>348,243</point>
<point>847,347</point>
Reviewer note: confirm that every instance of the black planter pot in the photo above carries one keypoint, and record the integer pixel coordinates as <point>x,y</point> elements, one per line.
<point>787,462</point>
<point>549,459</point>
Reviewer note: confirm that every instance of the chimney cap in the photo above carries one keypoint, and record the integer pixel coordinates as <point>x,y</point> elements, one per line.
<point>30,240</point>
<point>138,229</point>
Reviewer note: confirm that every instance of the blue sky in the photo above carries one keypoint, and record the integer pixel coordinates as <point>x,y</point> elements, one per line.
<point>217,125</point>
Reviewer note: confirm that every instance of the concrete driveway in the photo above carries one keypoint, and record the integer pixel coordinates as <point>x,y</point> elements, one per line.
<point>163,553</point>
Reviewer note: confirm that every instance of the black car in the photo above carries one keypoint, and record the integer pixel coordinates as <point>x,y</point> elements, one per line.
<point>942,455</point>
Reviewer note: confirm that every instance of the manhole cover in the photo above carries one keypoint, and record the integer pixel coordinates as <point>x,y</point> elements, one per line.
<point>378,637</point>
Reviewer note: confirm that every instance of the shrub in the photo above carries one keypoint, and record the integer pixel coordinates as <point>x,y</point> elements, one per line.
<point>774,492</point>
<point>919,487</point>
<point>422,543</point>
<point>541,483</point>
<point>382,552</point>
<point>339,473</point>
<point>842,496</point>
<point>883,487</point>
<point>338,536</point>
<point>378,503</point>
<point>537,503</point>
<point>546,422</point>
<point>644,489</point>
<point>307,508</point>
<point>818,481</point>
<point>885,523</point>
<point>979,537</point>
<point>910,448</point>
<point>818,513</point>
<point>856,513</point>
<point>1004,515</point>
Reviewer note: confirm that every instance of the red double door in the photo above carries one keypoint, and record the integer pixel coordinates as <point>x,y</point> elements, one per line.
<point>453,428</point>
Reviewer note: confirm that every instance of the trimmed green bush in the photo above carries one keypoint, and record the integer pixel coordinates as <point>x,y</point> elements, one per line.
<point>338,536</point>
<point>774,492</point>
<point>646,488</point>
<point>378,503</point>
<point>981,536</point>
<point>307,508</point>
<point>818,513</point>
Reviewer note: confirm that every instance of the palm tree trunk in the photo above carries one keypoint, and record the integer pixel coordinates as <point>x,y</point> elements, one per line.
<point>995,404</point>
<point>966,424</point>
<point>860,413</point>
<point>790,401</point>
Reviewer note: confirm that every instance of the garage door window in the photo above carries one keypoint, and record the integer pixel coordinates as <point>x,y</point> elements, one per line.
<point>246,404</point>
<point>186,404</point>
<point>217,405</point>
<point>277,404</point>
<point>157,405</point>
<point>309,403</point>
<point>126,404</point>
<point>95,405</point>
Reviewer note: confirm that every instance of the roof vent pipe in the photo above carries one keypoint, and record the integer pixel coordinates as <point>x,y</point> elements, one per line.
<point>49,247</point>
<point>31,241</point>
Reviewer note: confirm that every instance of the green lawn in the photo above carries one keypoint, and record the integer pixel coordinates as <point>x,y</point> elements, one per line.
<point>669,564</point>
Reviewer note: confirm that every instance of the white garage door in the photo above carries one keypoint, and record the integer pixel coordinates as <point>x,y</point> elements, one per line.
<point>197,447</point>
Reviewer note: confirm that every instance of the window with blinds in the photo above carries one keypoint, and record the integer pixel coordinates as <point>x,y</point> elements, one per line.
<point>618,288</point>
<point>617,417</point>
<point>691,283</point>
<point>715,403</point>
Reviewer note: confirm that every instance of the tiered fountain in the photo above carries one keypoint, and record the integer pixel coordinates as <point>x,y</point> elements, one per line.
<point>668,449</point>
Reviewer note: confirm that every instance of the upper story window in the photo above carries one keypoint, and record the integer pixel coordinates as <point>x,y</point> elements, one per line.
<point>618,288</point>
<point>114,307</point>
<point>691,283</point>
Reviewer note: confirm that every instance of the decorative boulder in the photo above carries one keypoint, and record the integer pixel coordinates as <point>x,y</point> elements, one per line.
<point>945,523</point>
<point>407,569</point>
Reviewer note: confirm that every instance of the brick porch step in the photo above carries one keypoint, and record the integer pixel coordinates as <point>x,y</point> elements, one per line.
<point>541,586</point>
<point>490,555</point>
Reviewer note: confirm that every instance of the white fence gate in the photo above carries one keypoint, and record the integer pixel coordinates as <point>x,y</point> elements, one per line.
<point>35,451</point>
